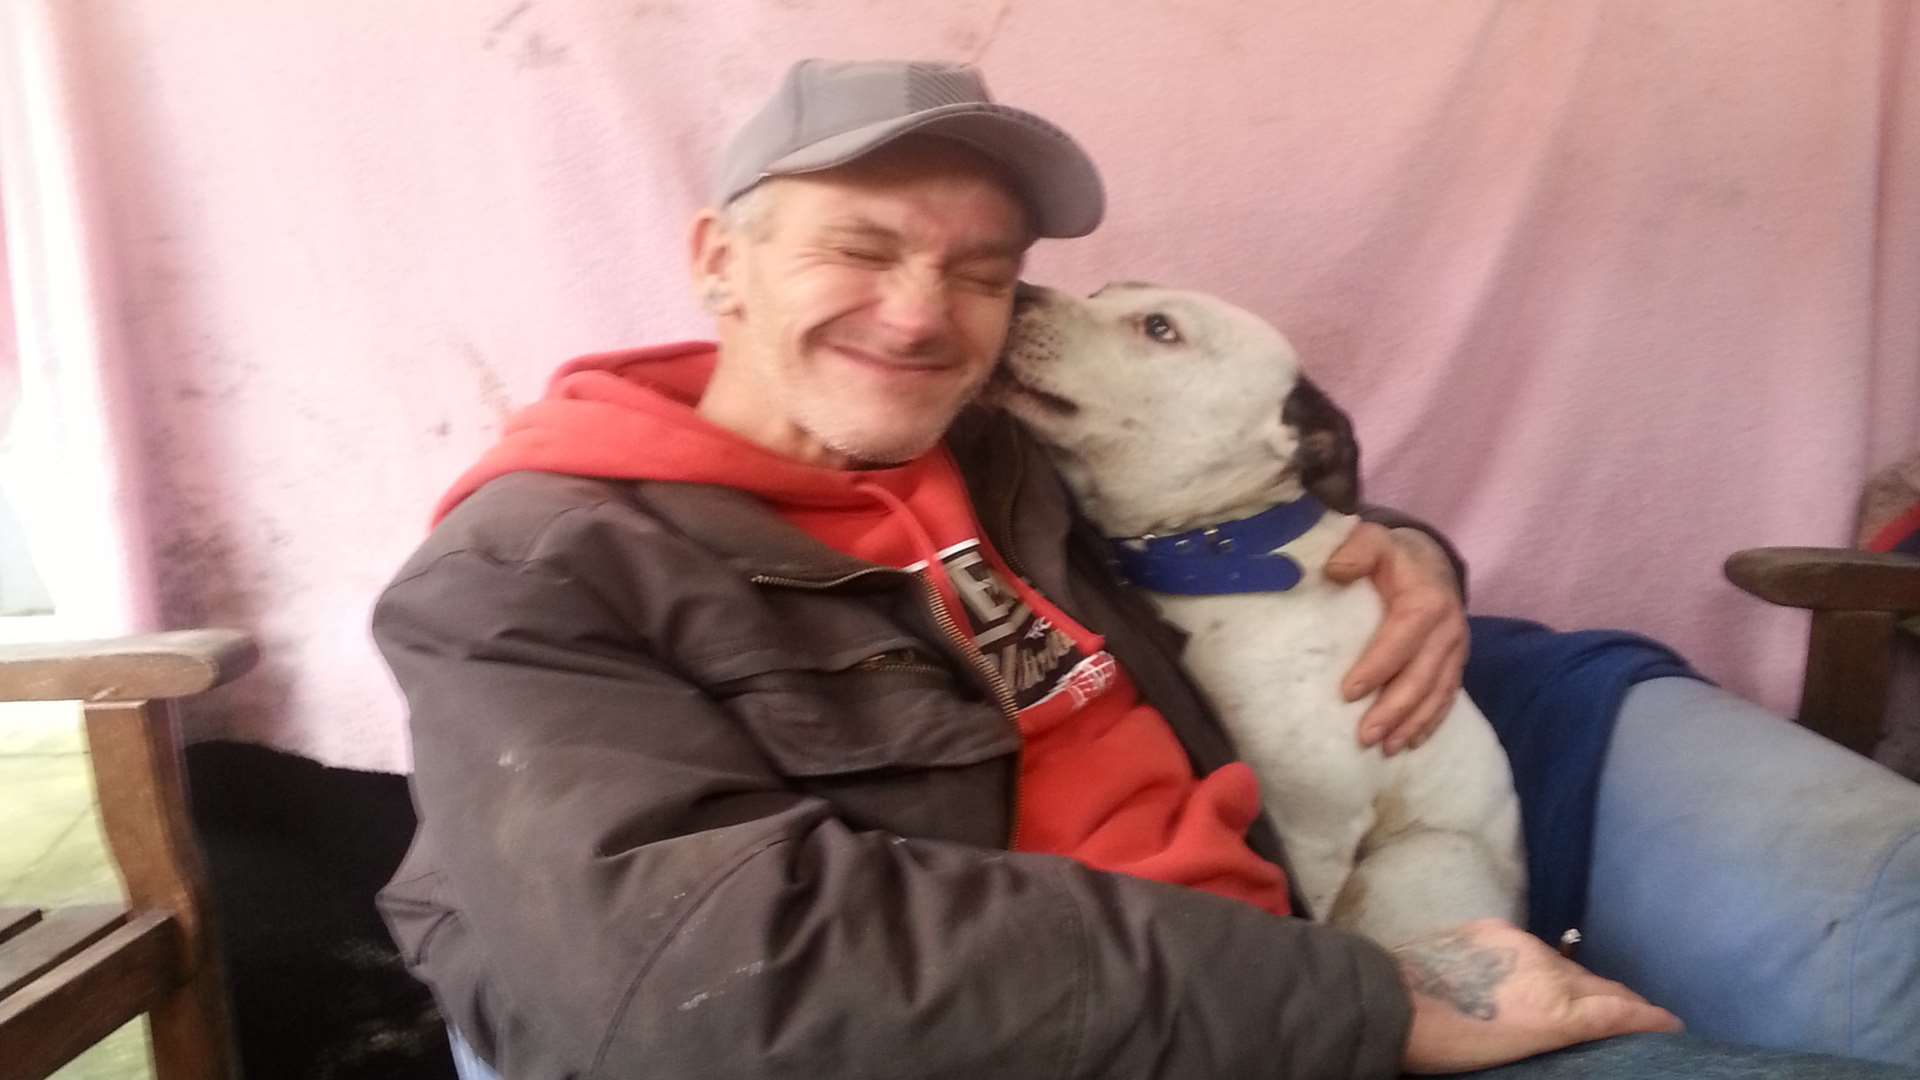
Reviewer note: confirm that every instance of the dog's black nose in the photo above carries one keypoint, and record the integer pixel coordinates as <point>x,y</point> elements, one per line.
<point>1027,295</point>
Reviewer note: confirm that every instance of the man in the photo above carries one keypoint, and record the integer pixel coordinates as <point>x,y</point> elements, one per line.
<point>774,715</point>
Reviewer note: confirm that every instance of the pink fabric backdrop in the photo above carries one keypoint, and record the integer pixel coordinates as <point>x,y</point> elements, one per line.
<point>1612,288</point>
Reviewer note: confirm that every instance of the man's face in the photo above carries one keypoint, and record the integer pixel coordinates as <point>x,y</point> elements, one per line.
<point>869,303</point>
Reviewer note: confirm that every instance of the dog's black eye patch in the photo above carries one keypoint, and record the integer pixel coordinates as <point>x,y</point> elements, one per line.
<point>1160,328</point>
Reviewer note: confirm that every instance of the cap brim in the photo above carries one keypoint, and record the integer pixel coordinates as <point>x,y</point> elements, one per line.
<point>1056,178</point>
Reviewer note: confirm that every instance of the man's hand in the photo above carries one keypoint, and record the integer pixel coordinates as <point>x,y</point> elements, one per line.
<point>1489,993</point>
<point>1420,650</point>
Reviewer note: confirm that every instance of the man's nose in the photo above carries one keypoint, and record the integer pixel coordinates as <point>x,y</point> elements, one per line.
<point>914,306</point>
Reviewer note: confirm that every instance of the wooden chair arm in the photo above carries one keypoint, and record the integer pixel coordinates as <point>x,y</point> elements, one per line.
<point>143,667</point>
<point>1828,579</point>
<point>65,983</point>
<point>1856,598</point>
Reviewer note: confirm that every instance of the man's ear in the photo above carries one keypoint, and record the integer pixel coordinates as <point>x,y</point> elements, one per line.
<point>713,258</point>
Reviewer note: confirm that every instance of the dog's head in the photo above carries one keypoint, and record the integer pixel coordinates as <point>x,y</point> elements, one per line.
<point>1166,409</point>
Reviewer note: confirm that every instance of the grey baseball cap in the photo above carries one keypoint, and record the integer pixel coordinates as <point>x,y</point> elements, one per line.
<point>828,113</point>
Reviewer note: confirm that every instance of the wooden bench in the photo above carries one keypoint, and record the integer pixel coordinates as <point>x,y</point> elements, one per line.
<point>71,976</point>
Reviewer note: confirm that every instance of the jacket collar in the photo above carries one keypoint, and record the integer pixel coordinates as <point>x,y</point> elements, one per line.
<point>743,531</point>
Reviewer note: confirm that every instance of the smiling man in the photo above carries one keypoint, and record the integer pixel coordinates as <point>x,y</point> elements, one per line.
<point>775,715</point>
<point>840,366</point>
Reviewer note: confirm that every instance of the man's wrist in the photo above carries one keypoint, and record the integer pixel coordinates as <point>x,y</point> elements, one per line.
<point>1395,521</point>
<point>1428,552</point>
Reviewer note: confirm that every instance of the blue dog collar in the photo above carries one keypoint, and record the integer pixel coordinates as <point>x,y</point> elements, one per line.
<point>1232,557</point>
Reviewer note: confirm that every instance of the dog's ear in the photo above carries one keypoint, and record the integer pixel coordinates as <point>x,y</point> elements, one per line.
<point>1328,456</point>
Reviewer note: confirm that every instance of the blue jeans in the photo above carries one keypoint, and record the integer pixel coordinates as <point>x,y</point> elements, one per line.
<point>1751,876</point>
<point>1683,1057</point>
<point>1755,878</point>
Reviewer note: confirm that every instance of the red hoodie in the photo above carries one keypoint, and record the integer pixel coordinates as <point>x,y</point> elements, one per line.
<point>1102,777</point>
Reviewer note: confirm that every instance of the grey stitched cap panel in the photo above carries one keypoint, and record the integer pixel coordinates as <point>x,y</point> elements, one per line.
<point>827,113</point>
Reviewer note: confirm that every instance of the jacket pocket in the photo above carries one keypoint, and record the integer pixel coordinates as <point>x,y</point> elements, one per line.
<point>887,705</point>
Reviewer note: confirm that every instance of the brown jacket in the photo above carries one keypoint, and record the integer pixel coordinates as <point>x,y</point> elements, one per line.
<point>701,797</point>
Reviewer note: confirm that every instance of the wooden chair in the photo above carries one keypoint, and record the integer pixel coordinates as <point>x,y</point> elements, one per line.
<point>69,977</point>
<point>1858,599</point>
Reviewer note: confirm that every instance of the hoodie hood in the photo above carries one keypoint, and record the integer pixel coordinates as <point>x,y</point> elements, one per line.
<point>629,415</point>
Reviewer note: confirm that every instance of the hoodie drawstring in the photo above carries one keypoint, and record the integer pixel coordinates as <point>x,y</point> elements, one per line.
<point>923,545</point>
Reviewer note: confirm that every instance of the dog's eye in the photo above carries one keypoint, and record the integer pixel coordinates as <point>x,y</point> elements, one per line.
<point>1160,328</point>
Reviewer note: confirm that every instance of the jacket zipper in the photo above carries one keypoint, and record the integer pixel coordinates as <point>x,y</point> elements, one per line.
<point>1003,696</point>
<point>822,583</point>
<point>1012,558</point>
<point>898,661</point>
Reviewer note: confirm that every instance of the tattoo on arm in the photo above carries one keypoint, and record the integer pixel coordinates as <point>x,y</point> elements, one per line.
<point>1457,971</point>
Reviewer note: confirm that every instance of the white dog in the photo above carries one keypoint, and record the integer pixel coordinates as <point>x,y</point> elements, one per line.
<point>1167,413</point>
